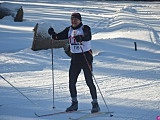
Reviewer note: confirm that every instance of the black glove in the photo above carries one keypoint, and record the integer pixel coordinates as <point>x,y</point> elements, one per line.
<point>51,31</point>
<point>78,38</point>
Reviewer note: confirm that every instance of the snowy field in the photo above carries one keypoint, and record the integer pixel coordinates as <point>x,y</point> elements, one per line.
<point>129,80</point>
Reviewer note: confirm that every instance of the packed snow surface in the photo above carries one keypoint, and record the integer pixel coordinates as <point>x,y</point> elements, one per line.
<point>129,80</point>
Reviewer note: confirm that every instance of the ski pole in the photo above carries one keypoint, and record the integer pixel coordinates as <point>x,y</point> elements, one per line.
<point>17,90</point>
<point>95,80</point>
<point>52,71</point>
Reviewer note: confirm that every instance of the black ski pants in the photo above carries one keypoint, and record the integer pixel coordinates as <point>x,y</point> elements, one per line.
<point>74,71</point>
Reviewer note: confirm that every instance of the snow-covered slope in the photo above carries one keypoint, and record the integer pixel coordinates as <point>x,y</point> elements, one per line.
<point>128,79</point>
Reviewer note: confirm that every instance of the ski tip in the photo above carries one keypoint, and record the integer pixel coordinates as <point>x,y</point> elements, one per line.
<point>36,114</point>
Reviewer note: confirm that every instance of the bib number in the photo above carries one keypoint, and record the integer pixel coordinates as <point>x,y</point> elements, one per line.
<point>77,48</point>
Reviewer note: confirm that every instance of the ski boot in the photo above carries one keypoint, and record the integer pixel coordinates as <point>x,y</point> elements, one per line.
<point>73,107</point>
<point>95,107</point>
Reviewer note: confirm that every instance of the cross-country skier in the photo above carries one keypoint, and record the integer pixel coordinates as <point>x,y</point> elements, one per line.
<point>79,36</point>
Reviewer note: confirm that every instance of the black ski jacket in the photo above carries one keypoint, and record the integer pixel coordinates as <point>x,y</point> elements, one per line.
<point>64,34</point>
<point>77,57</point>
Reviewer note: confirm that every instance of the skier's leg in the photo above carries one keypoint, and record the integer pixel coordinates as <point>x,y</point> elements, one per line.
<point>89,81</point>
<point>74,71</point>
<point>73,75</point>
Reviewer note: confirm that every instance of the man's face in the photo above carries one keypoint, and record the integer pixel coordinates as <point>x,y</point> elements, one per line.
<point>75,22</point>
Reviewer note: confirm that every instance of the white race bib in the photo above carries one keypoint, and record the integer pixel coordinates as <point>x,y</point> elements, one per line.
<point>76,48</point>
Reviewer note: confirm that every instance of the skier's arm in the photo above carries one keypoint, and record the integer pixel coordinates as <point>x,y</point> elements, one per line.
<point>87,34</point>
<point>59,36</point>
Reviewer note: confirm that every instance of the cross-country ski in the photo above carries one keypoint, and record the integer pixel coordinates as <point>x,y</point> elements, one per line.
<point>90,115</point>
<point>51,114</point>
<point>58,113</point>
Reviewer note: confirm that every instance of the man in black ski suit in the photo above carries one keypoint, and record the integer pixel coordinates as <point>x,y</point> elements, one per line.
<point>79,37</point>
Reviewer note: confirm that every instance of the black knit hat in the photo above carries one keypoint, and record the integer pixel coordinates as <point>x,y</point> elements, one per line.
<point>76,15</point>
